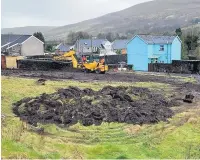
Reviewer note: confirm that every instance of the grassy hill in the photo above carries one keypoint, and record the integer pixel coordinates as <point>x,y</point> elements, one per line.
<point>156,16</point>
<point>27,30</point>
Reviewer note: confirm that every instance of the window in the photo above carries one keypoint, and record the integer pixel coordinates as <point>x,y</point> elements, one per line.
<point>162,48</point>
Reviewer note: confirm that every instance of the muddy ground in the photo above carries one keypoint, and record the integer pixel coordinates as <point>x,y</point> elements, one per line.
<point>71,105</point>
<point>111,104</point>
<point>109,76</point>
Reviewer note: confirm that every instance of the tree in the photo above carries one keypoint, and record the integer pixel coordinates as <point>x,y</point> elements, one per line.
<point>123,37</point>
<point>178,32</point>
<point>184,51</point>
<point>110,37</point>
<point>166,34</point>
<point>74,36</point>
<point>40,36</point>
<point>191,42</point>
<point>101,36</point>
<point>49,48</point>
<point>118,51</point>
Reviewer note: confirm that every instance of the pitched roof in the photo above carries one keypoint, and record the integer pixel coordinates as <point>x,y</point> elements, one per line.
<point>63,47</point>
<point>157,39</point>
<point>20,40</point>
<point>95,42</point>
<point>12,39</point>
<point>7,38</point>
<point>120,44</point>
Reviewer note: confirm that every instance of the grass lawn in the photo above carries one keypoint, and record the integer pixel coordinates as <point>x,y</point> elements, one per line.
<point>179,138</point>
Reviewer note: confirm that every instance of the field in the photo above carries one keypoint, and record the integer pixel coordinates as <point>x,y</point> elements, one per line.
<point>179,137</point>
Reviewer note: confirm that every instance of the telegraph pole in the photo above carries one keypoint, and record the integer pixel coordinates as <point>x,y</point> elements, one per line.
<point>91,46</point>
<point>9,43</point>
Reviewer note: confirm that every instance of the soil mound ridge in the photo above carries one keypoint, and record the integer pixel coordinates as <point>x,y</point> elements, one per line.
<point>110,104</point>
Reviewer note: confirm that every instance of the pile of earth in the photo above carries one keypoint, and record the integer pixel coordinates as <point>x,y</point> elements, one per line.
<point>110,104</point>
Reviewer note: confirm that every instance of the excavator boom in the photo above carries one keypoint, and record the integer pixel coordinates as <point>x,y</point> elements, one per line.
<point>98,67</point>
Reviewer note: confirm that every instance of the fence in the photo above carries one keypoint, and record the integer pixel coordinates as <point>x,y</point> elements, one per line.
<point>115,59</point>
<point>177,66</point>
<point>31,64</point>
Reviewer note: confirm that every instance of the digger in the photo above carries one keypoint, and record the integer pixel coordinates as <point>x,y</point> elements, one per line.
<point>87,64</point>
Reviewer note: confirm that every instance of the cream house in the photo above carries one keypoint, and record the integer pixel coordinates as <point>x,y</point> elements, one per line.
<point>21,45</point>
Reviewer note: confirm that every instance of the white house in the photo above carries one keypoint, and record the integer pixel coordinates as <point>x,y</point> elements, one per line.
<point>21,45</point>
<point>96,46</point>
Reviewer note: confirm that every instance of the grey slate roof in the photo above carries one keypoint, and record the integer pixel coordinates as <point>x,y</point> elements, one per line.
<point>63,47</point>
<point>6,38</point>
<point>157,39</point>
<point>120,44</point>
<point>13,39</point>
<point>20,40</point>
<point>95,42</point>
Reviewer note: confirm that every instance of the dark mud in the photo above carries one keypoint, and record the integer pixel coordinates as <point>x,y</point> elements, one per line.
<point>72,105</point>
<point>109,76</point>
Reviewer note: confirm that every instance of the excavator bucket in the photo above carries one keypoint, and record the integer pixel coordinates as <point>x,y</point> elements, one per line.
<point>188,98</point>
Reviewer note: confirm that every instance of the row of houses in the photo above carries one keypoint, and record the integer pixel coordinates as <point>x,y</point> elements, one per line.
<point>95,46</point>
<point>141,50</point>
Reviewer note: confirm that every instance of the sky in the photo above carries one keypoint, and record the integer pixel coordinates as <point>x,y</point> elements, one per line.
<point>19,13</point>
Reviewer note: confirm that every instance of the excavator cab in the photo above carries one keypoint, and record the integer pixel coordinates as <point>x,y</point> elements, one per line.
<point>94,63</point>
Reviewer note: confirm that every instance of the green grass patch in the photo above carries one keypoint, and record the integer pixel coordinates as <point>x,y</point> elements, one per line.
<point>179,138</point>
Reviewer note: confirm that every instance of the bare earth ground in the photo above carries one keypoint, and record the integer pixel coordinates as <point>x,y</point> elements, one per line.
<point>109,76</point>
<point>163,140</point>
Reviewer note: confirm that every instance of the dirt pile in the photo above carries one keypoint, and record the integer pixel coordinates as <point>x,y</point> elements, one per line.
<point>111,104</point>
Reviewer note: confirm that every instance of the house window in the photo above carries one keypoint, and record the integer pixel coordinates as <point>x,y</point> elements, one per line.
<point>162,48</point>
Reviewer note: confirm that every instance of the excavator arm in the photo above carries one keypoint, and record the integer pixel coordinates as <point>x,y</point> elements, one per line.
<point>98,67</point>
<point>74,59</point>
<point>69,56</point>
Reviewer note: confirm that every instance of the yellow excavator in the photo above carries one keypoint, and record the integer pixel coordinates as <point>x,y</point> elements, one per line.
<point>88,64</point>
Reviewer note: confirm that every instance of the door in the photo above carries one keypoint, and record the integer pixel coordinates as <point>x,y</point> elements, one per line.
<point>3,62</point>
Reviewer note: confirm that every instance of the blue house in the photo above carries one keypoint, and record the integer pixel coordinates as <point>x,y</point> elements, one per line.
<point>144,49</point>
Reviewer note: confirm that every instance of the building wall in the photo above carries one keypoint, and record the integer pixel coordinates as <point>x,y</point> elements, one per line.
<point>87,49</point>
<point>15,50</point>
<point>164,56</point>
<point>176,50</point>
<point>137,54</point>
<point>32,46</point>
<point>11,61</point>
<point>124,51</point>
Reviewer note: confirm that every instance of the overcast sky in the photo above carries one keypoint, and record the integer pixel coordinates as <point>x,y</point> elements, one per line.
<point>18,13</point>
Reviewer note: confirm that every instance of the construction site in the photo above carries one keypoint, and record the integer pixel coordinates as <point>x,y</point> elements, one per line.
<point>78,112</point>
<point>100,79</point>
<point>75,105</point>
<point>132,98</point>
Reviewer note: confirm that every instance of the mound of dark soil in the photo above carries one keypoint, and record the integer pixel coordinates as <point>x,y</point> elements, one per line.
<point>111,104</point>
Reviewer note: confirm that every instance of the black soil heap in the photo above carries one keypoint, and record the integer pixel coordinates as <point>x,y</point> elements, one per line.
<point>111,104</point>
